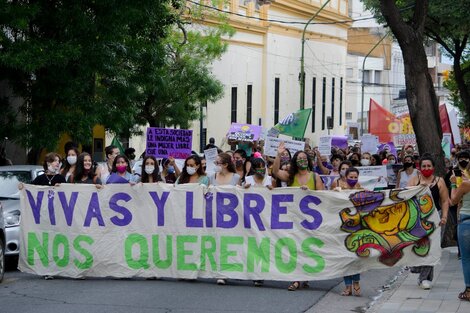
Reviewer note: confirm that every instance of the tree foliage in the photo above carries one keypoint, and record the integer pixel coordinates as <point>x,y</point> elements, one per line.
<point>451,84</point>
<point>72,64</point>
<point>448,25</point>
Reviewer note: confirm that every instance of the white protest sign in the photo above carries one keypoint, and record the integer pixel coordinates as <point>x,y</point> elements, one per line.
<point>191,231</point>
<point>324,145</point>
<point>369,144</point>
<point>210,156</point>
<point>379,173</point>
<point>271,144</point>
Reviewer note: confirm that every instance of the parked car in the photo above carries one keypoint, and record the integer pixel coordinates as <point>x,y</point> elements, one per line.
<point>10,177</point>
<point>2,245</point>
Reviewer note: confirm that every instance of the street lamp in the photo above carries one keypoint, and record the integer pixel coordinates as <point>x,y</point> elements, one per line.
<point>362,82</point>
<point>302,69</point>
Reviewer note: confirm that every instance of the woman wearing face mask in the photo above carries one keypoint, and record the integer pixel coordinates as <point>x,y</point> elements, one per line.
<point>69,163</point>
<point>407,172</point>
<point>341,182</point>
<point>260,177</point>
<point>365,159</point>
<point>51,176</point>
<point>224,175</point>
<point>355,159</point>
<point>121,172</point>
<point>150,170</point>
<point>239,160</point>
<point>170,170</point>
<point>352,281</point>
<point>440,196</point>
<point>298,175</point>
<point>192,172</point>
<point>84,172</point>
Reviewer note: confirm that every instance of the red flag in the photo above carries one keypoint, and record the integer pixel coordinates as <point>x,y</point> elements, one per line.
<point>382,123</point>
<point>445,122</point>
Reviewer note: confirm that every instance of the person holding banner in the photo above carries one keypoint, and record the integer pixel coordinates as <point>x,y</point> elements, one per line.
<point>170,170</point>
<point>150,171</point>
<point>351,282</point>
<point>260,178</point>
<point>51,176</point>
<point>105,168</point>
<point>224,175</point>
<point>242,166</point>
<point>84,173</point>
<point>70,162</point>
<point>192,172</point>
<point>298,175</point>
<point>121,172</point>
<point>440,196</point>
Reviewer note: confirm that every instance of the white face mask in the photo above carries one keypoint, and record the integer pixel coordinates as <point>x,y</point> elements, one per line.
<point>191,170</point>
<point>391,162</point>
<point>365,162</point>
<point>149,169</point>
<point>52,169</point>
<point>342,173</point>
<point>72,159</point>
<point>217,168</point>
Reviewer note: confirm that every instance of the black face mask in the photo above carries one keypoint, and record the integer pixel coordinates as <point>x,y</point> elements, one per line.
<point>463,163</point>
<point>407,164</point>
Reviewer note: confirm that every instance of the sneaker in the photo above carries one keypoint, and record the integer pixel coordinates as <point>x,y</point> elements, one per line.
<point>426,284</point>
<point>221,281</point>
<point>48,277</point>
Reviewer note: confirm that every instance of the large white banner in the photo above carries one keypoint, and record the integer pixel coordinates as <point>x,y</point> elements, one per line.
<point>190,231</point>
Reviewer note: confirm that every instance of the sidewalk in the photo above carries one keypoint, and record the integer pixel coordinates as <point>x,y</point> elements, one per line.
<point>442,298</point>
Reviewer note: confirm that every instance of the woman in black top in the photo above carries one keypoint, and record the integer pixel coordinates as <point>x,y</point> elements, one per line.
<point>84,173</point>
<point>51,176</point>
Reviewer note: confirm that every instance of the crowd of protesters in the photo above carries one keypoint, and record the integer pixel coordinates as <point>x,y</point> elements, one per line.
<point>246,165</point>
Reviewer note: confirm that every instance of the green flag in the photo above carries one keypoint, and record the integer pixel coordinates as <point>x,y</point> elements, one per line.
<point>294,124</point>
<point>117,144</point>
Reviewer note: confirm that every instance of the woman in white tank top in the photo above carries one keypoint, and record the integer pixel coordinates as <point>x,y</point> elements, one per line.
<point>407,172</point>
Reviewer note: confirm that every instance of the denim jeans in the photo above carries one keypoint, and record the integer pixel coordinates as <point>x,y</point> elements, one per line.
<point>464,244</point>
<point>348,280</point>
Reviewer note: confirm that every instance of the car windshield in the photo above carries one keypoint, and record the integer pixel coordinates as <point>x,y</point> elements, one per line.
<point>9,181</point>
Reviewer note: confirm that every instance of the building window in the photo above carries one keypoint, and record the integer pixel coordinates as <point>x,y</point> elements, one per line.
<point>378,77</point>
<point>314,101</point>
<point>323,104</point>
<point>367,77</point>
<point>341,101</point>
<point>249,101</point>
<point>276,100</point>
<point>333,101</point>
<point>233,118</point>
<point>349,115</point>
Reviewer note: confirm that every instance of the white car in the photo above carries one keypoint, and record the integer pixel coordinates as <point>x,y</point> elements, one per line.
<point>10,177</point>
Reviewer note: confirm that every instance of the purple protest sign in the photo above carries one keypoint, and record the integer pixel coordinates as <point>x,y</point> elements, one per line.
<point>166,142</point>
<point>339,142</point>
<point>244,132</point>
<point>389,146</point>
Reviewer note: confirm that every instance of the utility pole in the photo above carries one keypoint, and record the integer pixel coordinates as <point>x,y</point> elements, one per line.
<point>302,66</point>
<point>362,81</point>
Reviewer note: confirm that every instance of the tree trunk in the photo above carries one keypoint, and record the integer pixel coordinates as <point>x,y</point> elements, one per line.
<point>421,97</point>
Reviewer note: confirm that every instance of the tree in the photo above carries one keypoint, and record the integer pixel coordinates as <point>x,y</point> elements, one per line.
<point>185,81</point>
<point>455,97</point>
<point>72,63</point>
<point>421,97</point>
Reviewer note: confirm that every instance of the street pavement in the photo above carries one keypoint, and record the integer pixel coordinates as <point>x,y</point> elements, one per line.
<point>393,290</point>
<point>402,294</point>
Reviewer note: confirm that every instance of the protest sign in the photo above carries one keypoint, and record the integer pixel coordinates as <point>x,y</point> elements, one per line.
<point>191,231</point>
<point>446,143</point>
<point>379,173</point>
<point>324,145</point>
<point>369,144</point>
<point>244,132</point>
<point>392,173</point>
<point>404,139</point>
<point>271,144</point>
<point>211,156</point>
<point>389,147</point>
<point>166,142</point>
